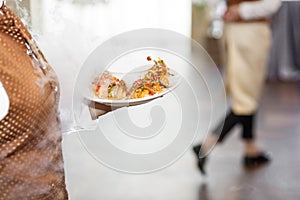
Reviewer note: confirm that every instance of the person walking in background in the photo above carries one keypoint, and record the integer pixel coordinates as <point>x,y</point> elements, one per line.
<point>247,37</point>
<point>31,162</point>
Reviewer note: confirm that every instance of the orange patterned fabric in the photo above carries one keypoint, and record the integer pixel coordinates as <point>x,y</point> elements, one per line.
<point>31,163</point>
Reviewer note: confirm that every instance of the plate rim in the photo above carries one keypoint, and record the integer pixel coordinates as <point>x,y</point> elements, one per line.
<point>92,98</point>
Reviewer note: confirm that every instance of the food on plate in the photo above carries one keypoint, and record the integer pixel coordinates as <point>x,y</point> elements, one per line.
<point>108,86</point>
<point>159,72</point>
<point>154,81</point>
<point>117,90</point>
<point>142,88</point>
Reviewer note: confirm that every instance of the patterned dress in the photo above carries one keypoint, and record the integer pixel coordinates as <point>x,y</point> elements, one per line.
<point>31,162</point>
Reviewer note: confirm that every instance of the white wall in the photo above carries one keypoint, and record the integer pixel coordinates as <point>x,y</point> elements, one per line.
<point>106,19</point>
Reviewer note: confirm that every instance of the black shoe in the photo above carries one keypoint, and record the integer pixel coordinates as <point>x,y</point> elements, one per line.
<point>256,161</point>
<point>201,159</point>
<point>196,150</point>
<point>201,164</point>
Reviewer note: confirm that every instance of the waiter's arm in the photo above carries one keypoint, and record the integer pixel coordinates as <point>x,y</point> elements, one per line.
<point>258,9</point>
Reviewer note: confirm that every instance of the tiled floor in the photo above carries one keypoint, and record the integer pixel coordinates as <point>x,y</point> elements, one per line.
<point>278,132</point>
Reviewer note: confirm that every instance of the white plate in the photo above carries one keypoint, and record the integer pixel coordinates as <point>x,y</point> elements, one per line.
<point>173,80</point>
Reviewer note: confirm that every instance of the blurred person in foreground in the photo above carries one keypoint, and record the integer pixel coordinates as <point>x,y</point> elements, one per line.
<point>247,40</point>
<point>31,161</point>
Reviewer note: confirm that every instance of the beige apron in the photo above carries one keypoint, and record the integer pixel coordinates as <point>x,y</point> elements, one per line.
<point>247,45</point>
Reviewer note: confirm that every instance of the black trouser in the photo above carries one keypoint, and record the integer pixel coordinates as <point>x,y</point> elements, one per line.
<point>231,120</point>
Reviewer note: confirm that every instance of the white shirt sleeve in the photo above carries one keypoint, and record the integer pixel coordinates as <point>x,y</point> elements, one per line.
<point>1,3</point>
<point>4,102</point>
<point>258,9</point>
